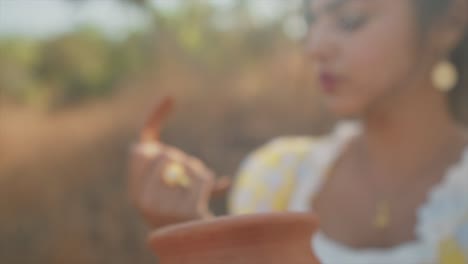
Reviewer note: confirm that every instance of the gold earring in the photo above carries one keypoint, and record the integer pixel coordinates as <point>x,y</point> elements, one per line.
<point>444,76</point>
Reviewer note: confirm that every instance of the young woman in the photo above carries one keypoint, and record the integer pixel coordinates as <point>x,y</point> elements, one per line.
<point>390,184</point>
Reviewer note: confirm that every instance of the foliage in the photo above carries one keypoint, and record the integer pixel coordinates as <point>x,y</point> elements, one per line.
<point>84,64</point>
<point>67,69</point>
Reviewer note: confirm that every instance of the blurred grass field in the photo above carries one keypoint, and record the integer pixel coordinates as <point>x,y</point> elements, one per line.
<point>71,107</point>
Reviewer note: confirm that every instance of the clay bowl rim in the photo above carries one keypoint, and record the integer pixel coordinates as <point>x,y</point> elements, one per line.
<point>201,229</point>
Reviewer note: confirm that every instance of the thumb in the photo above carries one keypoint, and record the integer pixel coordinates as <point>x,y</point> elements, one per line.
<point>221,187</point>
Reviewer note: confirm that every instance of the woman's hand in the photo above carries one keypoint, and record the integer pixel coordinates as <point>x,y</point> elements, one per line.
<point>167,185</point>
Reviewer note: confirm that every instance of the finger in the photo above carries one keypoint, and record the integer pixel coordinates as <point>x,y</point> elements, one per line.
<point>140,168</point>
<point>199,168</point>
<point>150,149</point>
<point>153,198</point>
<point>184,183</point>
<point>152,129</point>
<point>176,155</point>
<point>174,198</point>
<point>197,201</point>
<point>156,193</point>
<point>221,187</point>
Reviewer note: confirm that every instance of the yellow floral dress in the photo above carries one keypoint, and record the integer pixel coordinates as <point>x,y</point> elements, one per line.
<point>285,173</point>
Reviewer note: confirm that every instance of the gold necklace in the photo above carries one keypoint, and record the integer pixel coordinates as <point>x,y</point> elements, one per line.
<point>382,217</point>
<point>382,214</point>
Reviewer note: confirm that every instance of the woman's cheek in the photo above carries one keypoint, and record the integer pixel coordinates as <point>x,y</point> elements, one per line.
<point>363,82</point>
<point>377,64</point>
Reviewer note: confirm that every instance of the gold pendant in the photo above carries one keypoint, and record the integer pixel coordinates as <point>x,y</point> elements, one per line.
<point>382,215</point>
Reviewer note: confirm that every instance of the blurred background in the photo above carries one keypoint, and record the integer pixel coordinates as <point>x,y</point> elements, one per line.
<point>78,78</point>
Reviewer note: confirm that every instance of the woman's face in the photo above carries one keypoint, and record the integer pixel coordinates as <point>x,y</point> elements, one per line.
<point>363,51</point>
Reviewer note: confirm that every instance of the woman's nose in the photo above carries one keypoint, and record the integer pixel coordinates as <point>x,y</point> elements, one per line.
<point>320,45</point>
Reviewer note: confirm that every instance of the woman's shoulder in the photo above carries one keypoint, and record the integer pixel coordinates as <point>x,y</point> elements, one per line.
<point>266,178</point>
<point>453,249</point>
<point>273,176</point>
<point>444,217</point>
<point>280,151</point>
<point>284,151</point>
<point>452,197</point>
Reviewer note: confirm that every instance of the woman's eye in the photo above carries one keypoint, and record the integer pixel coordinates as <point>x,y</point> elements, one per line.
<point>310,19</point>
<point>351,23</point>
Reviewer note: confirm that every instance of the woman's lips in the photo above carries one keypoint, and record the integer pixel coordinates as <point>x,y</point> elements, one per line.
<point>328,82</point>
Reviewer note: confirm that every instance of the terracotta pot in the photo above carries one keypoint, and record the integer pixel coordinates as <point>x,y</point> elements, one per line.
<point>253,239</point>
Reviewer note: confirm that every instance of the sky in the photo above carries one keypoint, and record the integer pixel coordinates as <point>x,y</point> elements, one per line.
<point>43,18</point>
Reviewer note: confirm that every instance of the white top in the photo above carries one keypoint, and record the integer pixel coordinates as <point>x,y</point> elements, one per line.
<point>442,225</point>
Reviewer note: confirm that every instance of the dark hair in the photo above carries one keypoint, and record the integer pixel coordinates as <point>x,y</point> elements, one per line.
<point>428,12</point>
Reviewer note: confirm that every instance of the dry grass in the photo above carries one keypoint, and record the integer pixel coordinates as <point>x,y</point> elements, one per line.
<point>62,175</point>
